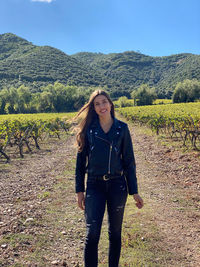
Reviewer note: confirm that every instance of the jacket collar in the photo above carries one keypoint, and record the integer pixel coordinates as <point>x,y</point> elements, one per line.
<point>114,132</point>
<point>117,123</point>
<point>96,124</point>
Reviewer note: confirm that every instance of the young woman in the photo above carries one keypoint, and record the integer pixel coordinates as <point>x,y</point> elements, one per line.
<point>105,152</point>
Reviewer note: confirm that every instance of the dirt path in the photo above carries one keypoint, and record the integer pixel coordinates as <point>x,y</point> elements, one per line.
<point>38,209</point>
<point>40,224</point>
<point>169,181</point>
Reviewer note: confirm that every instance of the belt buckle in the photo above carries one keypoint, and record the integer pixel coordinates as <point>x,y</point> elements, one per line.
<point>105,177</point>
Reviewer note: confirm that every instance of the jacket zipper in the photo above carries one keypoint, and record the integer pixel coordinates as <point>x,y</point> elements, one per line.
<point>109,159</point>
<point>110,152</point>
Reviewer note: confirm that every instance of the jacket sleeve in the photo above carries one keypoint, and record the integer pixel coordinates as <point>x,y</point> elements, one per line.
<point>129,165</point>
<point>81,161</point>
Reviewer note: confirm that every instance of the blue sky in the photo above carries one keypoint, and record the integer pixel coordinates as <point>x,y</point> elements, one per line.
<point>153,27</point>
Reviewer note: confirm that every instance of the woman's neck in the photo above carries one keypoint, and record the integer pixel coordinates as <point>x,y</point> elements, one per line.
<point>106,123</point>
<point>106,120</point>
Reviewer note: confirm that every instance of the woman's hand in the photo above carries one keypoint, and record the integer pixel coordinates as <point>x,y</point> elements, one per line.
<point>139,201</point>
<point>81,200</point>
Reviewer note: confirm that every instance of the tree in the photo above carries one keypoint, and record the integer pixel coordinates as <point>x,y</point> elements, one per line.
<point>9,98</point>
<point>124,102</point>
<point>45,102</point>
<point>60,97</point>
<point>3,99</point>
<point>186,91</point>
<point>24,99</point>
<point>144,95</point>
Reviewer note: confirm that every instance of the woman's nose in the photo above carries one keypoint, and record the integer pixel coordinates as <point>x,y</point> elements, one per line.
<point>102,105</point>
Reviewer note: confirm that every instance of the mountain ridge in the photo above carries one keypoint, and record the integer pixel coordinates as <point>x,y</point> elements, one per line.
<point>119,73</point>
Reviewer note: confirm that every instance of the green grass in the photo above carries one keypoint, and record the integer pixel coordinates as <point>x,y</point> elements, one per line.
<point>44,195</point>
<point>16,238</point>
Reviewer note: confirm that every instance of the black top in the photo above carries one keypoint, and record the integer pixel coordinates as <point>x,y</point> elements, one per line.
<point>107,153</point>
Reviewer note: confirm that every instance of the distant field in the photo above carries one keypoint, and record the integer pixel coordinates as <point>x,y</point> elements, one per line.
<point>162,101</point>
<point>130,102</point>
<point>38,116</point>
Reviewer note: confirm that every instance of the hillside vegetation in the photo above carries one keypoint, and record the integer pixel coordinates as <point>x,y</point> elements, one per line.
<point>21,62</point>
<point>129,70</point>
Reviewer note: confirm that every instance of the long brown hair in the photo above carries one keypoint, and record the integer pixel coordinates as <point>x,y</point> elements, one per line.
<point>89,114</point>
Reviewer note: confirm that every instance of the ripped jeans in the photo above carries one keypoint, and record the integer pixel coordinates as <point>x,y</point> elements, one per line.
<point>112,193</point>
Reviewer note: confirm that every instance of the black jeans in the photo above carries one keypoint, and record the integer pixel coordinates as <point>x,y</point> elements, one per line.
<point>112,193</point>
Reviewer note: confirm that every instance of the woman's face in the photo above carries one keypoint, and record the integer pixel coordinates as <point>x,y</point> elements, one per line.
<point>102,106</point>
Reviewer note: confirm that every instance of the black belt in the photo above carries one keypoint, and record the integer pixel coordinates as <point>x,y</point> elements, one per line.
<point>105,177</point>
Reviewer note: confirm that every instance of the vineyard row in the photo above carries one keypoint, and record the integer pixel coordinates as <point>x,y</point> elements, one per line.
<point>178,121</point>
<point>18,133</point>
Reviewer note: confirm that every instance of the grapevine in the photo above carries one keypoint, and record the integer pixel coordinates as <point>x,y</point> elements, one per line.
<point>178,121</point>
<point>25,131</point>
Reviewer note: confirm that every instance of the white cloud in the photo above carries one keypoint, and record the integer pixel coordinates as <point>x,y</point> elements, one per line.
<point>47,1</point>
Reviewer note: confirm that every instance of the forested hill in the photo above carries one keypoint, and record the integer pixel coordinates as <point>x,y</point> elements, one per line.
<point>130,69</point>
<point>23,62</point>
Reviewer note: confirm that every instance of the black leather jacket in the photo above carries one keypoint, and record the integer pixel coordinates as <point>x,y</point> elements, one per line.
<point>110,153</point>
